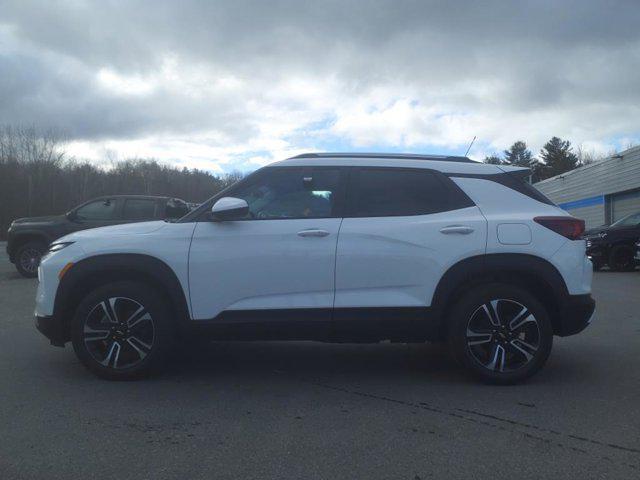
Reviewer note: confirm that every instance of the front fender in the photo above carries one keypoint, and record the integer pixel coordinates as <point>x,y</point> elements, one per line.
<point>97,270</point>
<point>17,238</point>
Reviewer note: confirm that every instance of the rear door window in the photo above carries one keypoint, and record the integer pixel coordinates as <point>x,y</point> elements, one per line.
<point>139,209</point>
<point>389,192</point>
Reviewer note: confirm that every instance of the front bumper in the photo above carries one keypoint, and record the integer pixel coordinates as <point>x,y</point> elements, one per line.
<point>596,252</point>
<point>10,248</point>
<point>52,328</point>
<point>576,313</point>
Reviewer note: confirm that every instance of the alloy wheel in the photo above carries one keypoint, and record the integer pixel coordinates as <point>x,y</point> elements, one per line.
<point>503,335</point>
<point>623,259</point>
<point>119,333</point>
<point>30,259</point>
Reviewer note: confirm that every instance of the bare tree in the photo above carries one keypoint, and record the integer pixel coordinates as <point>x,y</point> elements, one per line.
<point>36,178</point>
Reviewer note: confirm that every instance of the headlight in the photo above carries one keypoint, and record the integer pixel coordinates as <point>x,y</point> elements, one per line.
<point>56,247</point>
<point>589,243</point>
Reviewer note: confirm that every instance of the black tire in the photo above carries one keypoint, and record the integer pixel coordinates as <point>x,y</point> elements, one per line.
<point>500,355</point>
<point>28,256</point>
<point>621,259</point>
<point>143,340</point>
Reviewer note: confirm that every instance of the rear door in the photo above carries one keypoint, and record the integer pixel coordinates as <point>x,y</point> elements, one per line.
<point>402,230</point>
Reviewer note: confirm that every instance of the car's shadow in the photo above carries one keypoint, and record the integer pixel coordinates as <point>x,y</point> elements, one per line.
<point>399,364</point>
<point>394,365</point>
<point>312,360</point>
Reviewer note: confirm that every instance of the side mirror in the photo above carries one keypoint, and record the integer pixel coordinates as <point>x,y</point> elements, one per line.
<point>229,208</point>
<point>71,215</point>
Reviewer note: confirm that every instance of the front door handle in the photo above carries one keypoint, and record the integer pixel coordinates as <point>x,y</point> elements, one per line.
<point>460,229</point>
<point>313,232</point>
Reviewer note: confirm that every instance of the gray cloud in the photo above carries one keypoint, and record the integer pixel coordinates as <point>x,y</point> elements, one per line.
<point>493,60</point>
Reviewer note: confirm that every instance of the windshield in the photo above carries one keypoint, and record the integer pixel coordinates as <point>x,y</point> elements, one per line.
<point>628,221</point>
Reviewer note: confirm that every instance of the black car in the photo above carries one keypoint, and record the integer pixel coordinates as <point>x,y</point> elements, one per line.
<point>614,245</point>
<point>28,238</point>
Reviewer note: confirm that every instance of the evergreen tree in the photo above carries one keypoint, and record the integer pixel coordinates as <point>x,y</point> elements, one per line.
<point>558,158</point>
<point>493,159</point>
<point>519,155</point>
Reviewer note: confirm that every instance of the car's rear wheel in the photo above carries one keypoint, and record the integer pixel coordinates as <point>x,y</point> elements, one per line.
<point>122,331</point>
<point>500,333</point>
<point>27,258</point>
<point>621,259</point>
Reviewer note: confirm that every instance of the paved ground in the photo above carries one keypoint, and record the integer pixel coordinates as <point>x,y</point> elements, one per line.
<point>305,410</point>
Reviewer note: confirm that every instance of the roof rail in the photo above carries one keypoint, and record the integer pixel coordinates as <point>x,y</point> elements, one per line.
<point>405,156</point>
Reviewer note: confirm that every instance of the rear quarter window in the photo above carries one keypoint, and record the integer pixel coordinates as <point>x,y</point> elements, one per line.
<point>176,208</point>
<point>519,184</point>
<point>513,181</point>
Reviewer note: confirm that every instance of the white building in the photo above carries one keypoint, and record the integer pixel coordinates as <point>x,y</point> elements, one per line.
<point>599,193</point>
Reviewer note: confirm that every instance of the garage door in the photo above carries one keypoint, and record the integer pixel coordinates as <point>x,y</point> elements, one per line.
<point>623,204</point>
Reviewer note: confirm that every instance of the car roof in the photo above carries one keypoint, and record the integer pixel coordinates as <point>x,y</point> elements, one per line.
<point>142,197</point>
<point>443,163</point>
<point>409,156</point>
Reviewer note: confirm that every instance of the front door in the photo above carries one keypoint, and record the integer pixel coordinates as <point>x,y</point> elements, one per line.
<point>97,213</point>
<point>277,263</point>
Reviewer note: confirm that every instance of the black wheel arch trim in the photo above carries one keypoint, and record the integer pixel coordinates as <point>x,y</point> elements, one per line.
<point>99,270</point>
<point>16,240</point>
<point>519,267</point>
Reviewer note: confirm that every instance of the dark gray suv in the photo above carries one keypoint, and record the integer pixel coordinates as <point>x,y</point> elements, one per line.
<point>28,238</point>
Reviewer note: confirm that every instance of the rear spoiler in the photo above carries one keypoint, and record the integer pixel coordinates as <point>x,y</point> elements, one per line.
<point>521,182</point>
<point>520,172</point>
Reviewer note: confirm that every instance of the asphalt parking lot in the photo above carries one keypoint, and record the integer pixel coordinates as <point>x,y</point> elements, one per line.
<point>307,410</point>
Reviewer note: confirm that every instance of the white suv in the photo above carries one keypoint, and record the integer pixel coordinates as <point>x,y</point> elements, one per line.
<point>337,248</point>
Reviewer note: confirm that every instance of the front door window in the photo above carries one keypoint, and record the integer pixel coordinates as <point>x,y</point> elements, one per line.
<point>100,210</point>
<point>290,193</point>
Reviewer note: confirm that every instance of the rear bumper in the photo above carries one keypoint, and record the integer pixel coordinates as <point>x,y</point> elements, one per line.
<point>576,313</point>
<point>52,328</point>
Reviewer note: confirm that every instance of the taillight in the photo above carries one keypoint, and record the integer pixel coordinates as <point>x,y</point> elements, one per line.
<point>569,227</point>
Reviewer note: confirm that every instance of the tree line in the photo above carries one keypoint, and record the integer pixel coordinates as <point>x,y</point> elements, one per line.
<point>556,157</point>
<point>37,178</point>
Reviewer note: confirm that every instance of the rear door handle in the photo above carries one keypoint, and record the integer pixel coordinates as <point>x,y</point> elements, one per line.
<point>460,229</point>
<point>313,232</point>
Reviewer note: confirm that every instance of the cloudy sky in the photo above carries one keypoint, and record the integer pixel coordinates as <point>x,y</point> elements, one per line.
<point>235,84</point>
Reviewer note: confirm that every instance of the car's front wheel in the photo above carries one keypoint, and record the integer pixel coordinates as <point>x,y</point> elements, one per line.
<point>122,331</point>
<point>621,259</point>
<point>28,258</point>
<point>500,333</point>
